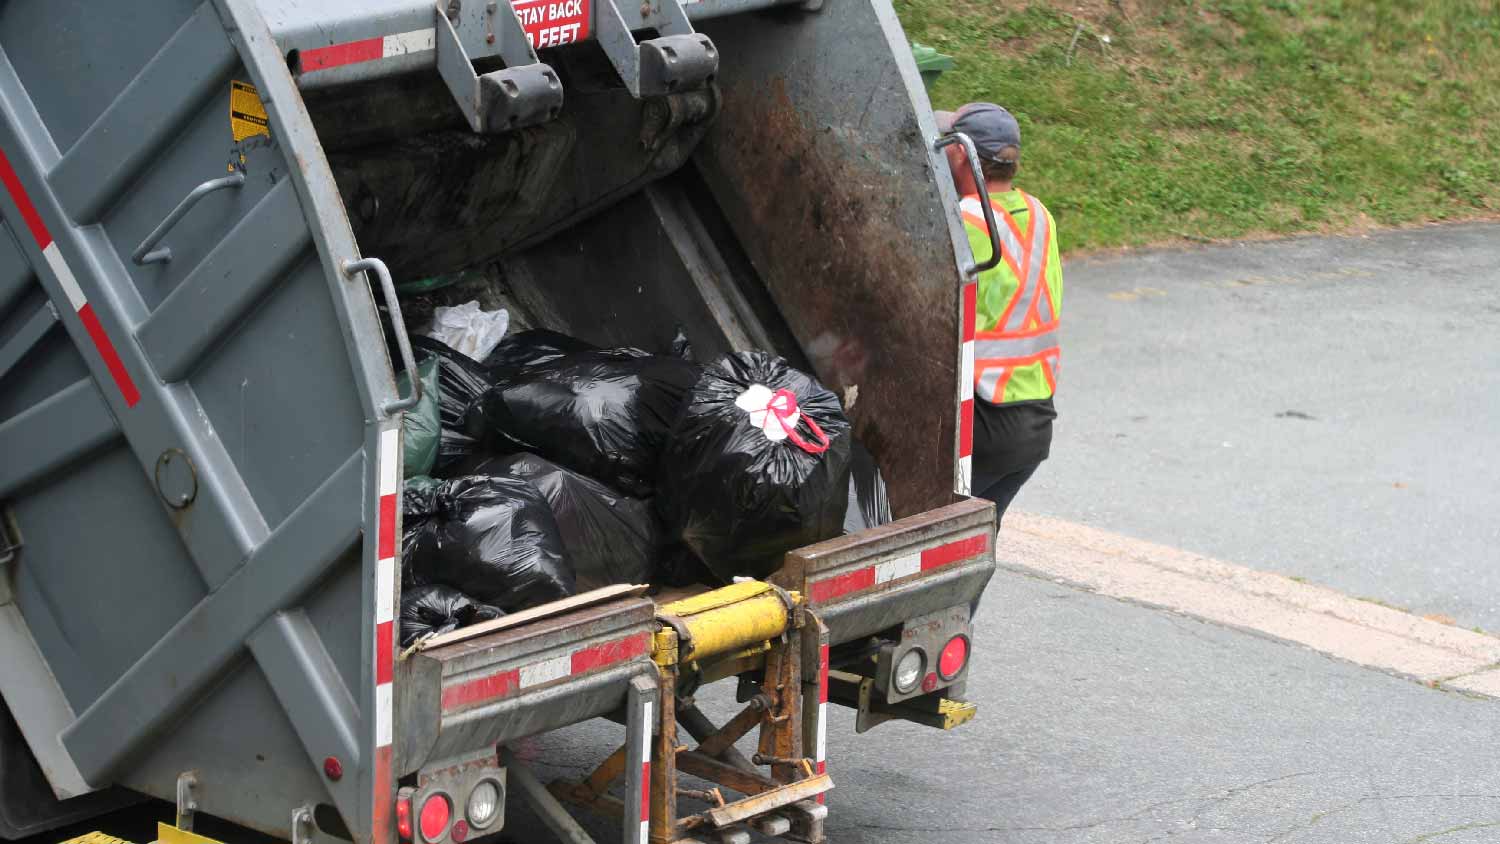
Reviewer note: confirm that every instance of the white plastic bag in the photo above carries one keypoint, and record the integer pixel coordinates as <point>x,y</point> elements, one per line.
<point>467,329</point>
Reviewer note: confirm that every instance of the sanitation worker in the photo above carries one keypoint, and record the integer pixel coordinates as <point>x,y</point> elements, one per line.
<point>1019,304</point>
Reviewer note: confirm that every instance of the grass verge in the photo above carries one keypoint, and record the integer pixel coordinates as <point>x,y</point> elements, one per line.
<point>1155,120</point>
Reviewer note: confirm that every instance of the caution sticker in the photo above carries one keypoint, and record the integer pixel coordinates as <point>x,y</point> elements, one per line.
<point>551,23</point>
<point>247,114</point>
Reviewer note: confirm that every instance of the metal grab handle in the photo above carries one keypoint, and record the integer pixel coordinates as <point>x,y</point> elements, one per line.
<point>949,140</point>
<point>142,256</point>
<point>388,290</point>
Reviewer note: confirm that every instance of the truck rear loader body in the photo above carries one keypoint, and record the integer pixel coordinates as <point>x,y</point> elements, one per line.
<point>206,205</point>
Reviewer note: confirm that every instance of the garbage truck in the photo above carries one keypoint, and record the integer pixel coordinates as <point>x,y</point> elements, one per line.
<point>207,204</point>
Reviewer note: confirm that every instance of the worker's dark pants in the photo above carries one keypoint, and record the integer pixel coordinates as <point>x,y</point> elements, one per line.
<point>1003,489</point>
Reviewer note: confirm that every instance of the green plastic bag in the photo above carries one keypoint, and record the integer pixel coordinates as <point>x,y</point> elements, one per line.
<point>421,430</point>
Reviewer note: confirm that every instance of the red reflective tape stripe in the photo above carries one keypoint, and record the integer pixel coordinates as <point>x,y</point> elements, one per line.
<point>381,827</point>
<point>107,351</point>
<point>822,768</point>
<point>386,528</point>
<point>18,195</point>
<point>484,688</point>
<point>823,673</point>
<point>952,552</point>
<point>342,54</point>
<point>646,789</point>
<point>842,584</point>
<point>385,652</point>
<point>966,428</point>
<point>91,324</point>
<point>598,656</point>
<point>971,309</point>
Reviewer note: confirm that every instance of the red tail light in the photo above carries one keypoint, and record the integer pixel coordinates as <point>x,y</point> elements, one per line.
<point>436,812</point>
<point>403,819</point>
<point>954,657</point>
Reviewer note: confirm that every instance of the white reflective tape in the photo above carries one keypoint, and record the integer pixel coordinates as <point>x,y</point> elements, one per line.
<point>383,714</point>
<point>822,753</point>
<point>547,670</point>
<point>966,475</point>
<point>966,373</point>
<point>390,461</point>
<point>903,566</point>
<point>385,590</point>
<point>645,832</point>
<point>646,733</point>
<point>402,43</point>
<point>64,276</point>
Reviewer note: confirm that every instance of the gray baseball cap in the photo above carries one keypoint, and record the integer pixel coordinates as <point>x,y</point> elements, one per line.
<point>991,127</point>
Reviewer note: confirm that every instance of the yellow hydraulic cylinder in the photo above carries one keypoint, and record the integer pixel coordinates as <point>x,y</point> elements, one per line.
<point>727,620</point>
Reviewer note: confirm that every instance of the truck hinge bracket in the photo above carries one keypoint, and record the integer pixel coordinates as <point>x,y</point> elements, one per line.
<point>678,59</point>
<point>523,93</point>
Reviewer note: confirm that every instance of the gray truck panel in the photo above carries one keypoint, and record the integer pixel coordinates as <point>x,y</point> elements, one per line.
<point>117,39</point>
<point>108,614</point>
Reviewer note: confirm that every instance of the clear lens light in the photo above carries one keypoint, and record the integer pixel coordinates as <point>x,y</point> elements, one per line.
<point>484,803</point>
<point>909,670</point>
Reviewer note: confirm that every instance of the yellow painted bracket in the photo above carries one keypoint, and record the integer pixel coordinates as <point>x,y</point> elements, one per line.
<point>168,834</point>
<point>723,621</point>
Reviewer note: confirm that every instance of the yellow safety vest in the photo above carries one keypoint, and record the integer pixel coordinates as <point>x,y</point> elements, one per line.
<point>1016,352</point>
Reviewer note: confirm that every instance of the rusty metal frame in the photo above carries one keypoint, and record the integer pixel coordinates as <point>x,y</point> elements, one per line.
<point>782,802</point>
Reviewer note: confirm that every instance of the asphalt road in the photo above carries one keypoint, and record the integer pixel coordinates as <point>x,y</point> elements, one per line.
<point>1327,408</point>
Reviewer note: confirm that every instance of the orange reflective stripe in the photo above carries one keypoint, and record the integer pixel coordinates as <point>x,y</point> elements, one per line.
<point>1014,335</point>
<point>1007,255</point>
<point>1021,267</point>
<point>1046,253</point>
<point>1004,382</point>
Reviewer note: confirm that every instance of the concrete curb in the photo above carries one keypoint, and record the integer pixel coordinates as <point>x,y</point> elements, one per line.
<point>1365,633</point>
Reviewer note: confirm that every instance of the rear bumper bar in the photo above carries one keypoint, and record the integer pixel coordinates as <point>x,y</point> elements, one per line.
<point>511,683</point>
<point>870,581</point>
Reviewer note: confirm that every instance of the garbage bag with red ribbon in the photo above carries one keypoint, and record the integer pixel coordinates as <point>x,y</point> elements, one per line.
<point>492,537</point>
<point>757,464</point>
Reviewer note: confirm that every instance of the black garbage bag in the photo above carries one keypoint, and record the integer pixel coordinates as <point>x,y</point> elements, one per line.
<point>608,537</point>
<point>757,464</point>
<point>602,413</point>
<point>868,504</point>
<point>461,380</point>
<point>436,609</point>
<point>493,538</point>
<point>533,348</point>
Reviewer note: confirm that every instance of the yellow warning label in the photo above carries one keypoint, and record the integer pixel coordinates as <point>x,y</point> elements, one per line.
<point>247,114</point>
